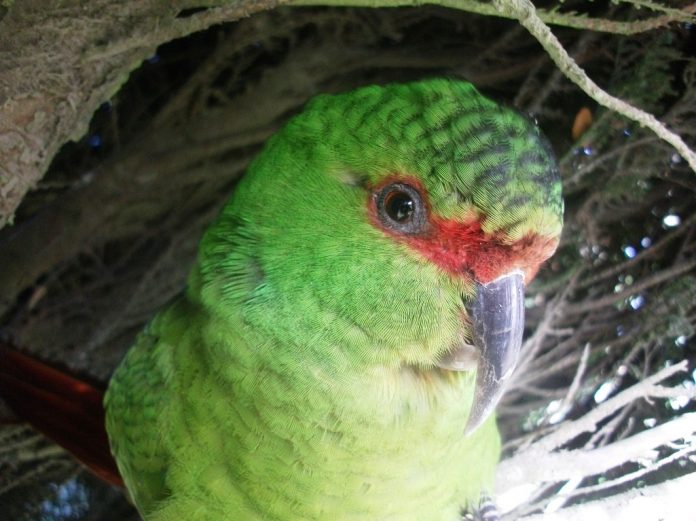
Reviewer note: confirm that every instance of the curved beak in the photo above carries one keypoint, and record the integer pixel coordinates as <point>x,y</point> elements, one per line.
<point>497,315</point>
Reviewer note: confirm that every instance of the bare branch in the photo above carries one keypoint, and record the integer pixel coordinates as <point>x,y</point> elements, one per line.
<point>608,300</point>
<point>671,500</point>
<point>552,17</point>
<point>538,463</point>
<point>589,422</point>
<point>525,12</point>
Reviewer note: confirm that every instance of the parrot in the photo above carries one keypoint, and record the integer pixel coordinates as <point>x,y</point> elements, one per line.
<point>351,320</point>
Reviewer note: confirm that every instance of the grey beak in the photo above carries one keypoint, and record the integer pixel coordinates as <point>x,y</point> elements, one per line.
<point>497,314</point>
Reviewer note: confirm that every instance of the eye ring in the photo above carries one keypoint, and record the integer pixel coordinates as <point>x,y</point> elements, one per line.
<point>400,208</point>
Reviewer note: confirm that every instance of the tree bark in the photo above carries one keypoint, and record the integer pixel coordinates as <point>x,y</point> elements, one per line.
<point>60,60</point>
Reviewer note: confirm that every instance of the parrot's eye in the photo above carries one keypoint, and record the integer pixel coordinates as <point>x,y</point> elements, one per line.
<point>400,208</point>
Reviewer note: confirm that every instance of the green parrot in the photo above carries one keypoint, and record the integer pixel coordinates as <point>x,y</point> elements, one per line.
<point>351,320</point>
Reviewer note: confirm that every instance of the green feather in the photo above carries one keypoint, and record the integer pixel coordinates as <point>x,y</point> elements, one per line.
<point>295,379</point>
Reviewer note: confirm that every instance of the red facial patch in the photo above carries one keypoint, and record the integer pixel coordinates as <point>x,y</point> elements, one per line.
<point>462,248</point>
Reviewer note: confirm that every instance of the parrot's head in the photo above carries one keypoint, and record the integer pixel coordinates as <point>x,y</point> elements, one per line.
<point>400,224</point>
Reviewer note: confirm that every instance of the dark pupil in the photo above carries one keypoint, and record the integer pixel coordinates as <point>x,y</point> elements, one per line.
<point>400,206</point>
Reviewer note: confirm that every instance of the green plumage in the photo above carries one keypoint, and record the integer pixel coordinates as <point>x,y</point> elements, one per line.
<point>296,378</point>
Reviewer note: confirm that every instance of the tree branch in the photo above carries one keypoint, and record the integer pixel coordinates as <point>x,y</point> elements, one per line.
<point>573,21</point>
<point>525,12</point>
<point>670,500</point>
<point>540,463</point>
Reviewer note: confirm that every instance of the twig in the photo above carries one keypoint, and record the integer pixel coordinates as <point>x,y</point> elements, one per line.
<point>552,83</point>
<point>525,12</point>
<point>603,159</point>
<point>542,372</point>
<point>670,500</point>
<point>536,466</point>
<point>676,13</point>
<point>552,17</point>
<point>182,27</point>
<point>577,380</point>
<point>624,266</point>
<point>526,468</point>
<point>648,282</point>
<point>632,476</point>
<point>604,434</point>
<point>589,421</point>
<point>533,344</point>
